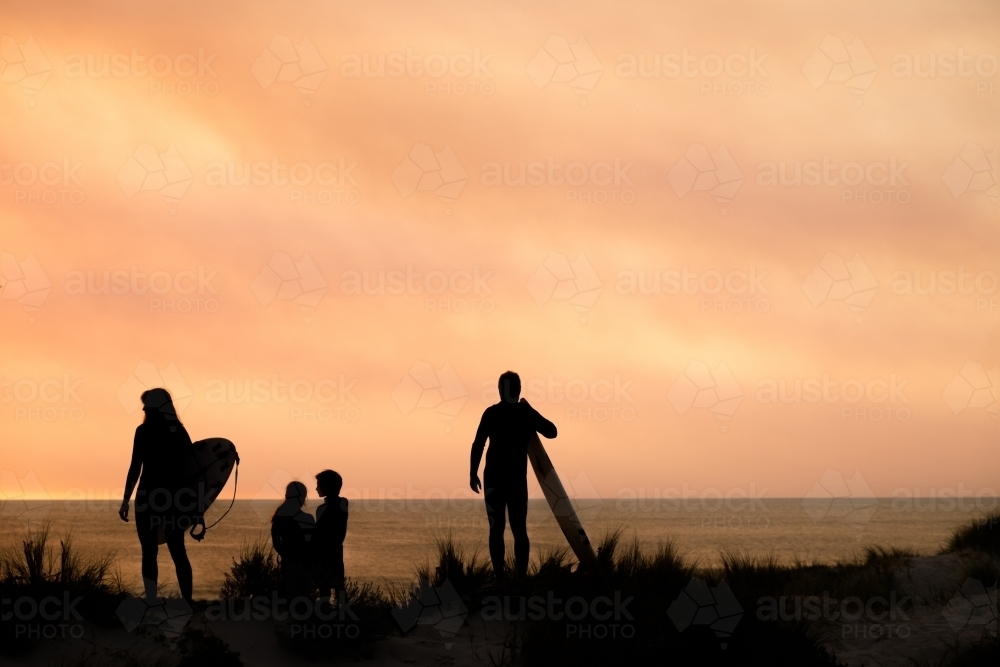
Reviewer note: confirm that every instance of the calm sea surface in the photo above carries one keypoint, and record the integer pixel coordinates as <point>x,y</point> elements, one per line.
<point>387,540</point>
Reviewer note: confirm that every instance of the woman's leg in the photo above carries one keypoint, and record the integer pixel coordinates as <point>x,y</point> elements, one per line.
<point>144,526</point>
<point>175,544</point>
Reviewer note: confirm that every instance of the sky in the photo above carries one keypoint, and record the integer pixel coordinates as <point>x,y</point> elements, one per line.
<point>729,249</point>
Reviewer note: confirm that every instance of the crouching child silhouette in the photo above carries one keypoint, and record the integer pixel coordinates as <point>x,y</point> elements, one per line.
<point>291,534</point>
<point>328,538</point>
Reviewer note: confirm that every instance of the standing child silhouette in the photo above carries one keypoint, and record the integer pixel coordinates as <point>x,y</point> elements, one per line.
<point>328,540</point>
<point>291,533</point>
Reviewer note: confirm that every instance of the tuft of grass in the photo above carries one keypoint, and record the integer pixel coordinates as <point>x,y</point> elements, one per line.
<point>349,629</point>
<point>552,562</point>
<point>872,575</point>
<point>646,582</point>
<point>37,563</point>
<point>754,575</point>
<point>39,571</point>
<point>256,572</point>
<point>982,567</point>
<point>982,534</point>
<point>468,572</point>
<point>649,582</point>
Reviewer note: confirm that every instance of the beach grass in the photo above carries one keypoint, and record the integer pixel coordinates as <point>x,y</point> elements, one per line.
<point>646,581</point>
<point>983,567</point>
<point>362,616</point>
<point>982,534</point>
<point>468,571</point>
<point>71,584</point>
<point>255,571</point>
<point>652,580</point>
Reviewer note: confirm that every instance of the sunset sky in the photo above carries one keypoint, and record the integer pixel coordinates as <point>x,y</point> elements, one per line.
<point>205,198</point>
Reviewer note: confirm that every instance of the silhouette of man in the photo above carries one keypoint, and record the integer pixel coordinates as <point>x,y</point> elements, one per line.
<point>509,426</point>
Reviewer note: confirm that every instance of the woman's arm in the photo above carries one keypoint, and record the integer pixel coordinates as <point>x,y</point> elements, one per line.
<point>134,469</point>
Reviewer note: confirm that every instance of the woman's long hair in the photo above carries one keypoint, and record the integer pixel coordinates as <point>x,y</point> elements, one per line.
<point>159,408</point>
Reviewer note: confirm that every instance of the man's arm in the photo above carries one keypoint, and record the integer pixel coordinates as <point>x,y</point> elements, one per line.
<point>540,423</point>
<point>478,445</point>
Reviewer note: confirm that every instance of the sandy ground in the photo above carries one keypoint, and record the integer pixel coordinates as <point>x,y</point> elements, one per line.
<point>925,634</point>
<point>473,645</point>
<point>257,642</point>
<point>929,632</point>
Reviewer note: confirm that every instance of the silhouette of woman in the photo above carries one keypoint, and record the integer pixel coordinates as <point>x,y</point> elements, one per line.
<point>157,453</point>
<point>291,532</point>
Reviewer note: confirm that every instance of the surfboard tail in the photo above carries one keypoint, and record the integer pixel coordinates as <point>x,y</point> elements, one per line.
<point>560,504</point>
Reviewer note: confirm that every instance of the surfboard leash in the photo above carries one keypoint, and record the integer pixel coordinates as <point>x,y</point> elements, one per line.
<point>236,484</point>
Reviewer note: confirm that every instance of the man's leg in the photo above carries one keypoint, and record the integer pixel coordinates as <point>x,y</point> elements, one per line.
<point>496,505</point>
<point>175,544</point>
<point>517,509</point>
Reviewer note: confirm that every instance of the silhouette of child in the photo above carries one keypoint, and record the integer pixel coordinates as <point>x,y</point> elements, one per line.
<point>291,533</point>
<point>328,539</point>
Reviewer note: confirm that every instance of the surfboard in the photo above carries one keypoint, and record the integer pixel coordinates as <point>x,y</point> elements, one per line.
<point>560,504</point>
<point>206,470</point>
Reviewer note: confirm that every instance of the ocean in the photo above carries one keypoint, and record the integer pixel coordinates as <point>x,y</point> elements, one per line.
<point>388,539</point>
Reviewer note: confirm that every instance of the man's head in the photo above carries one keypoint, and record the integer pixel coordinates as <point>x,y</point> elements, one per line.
<point>329,483</point>
<point>510,387</point>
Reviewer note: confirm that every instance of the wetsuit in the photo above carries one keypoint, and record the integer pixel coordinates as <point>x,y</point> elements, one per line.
<point>509,427</point>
